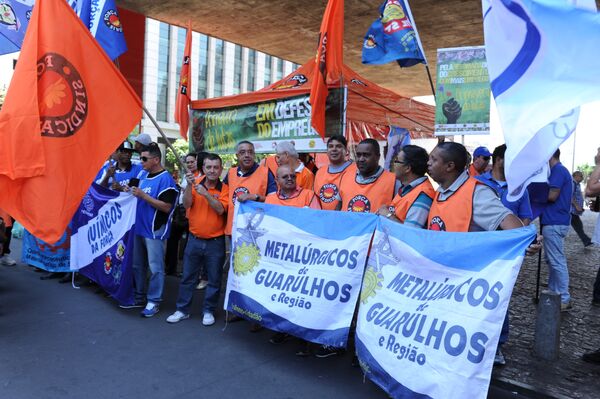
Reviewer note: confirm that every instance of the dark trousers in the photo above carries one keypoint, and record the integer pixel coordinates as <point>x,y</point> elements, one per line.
<point>578,227</point>
<point>6,247</point>
<point>172,254</point>
<point>596,293</point>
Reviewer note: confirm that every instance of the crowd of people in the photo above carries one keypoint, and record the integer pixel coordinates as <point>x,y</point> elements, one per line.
<point>470,196</point>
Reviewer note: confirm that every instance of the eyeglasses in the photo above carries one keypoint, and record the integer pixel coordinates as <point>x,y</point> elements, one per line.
<point>145,159</point>
<point>400,162</point>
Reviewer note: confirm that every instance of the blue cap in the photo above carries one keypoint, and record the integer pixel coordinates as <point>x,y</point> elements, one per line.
<point>481,152</point>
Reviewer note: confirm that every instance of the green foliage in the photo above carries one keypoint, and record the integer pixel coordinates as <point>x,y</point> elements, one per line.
<point>182,148</point>
<point>586,169</point>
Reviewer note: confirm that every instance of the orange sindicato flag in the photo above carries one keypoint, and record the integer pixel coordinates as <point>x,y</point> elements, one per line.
<point>329,61</point>
<point>182,104</point>
<point>67,109</point>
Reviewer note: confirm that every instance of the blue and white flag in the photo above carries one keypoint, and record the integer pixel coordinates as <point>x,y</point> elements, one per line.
<point>543,62</point>
<point>298,270</point>
<point>14,18</point>
<point>102,19</point>
<point>50,257</point>
<point>100,16</point>
<point>102,241</point>
<point>397,138</point>
<point>431,310</point>
<point>393,37</point>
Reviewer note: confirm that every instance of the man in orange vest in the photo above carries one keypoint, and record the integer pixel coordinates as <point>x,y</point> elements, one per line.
<point>286,154</point>
<point>411,204</point>
<point>247,181</point>
<point>289,193</point>
<point>371,186</point>
<point>462,202</point>
<point>481,160</point>
<point>328,177</point>
<point>205,198</point>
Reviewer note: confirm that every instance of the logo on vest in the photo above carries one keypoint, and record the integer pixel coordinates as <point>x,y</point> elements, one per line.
<point>63,100</point>
<point>238,191</point>
<point>328,193</point>
<point>111,19</point>
<point>437,224</point>
<point>359,203</point>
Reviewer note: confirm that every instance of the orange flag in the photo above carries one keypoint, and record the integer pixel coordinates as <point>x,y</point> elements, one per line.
<point>329,60</point>
<point>182,113</point>
<point>67,109</point>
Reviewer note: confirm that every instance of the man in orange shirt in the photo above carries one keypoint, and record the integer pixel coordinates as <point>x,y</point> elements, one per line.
<point>481,160</point>
<point>289,193</point>
<point>371,186</point>
<point>286,154</point>
<point>328,177</point>
<point>206,199</point>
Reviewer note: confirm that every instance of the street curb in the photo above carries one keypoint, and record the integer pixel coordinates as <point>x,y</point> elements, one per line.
<point>525,390</point>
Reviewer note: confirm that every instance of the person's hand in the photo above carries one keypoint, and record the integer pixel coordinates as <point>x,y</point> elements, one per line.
<point>137,192</point>
<point>117,187</point>
<point>189,176</point>
<point>452,110</point>
<point>200,189</point>
<point>535,246</point>
<point>383,211</point>
<point>243,197</point>
<point>110,171</point>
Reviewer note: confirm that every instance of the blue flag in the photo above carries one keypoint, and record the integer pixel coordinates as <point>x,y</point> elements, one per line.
<point>14,18</point>
<point>100,16</point>
<point>393,37</point>
<point>543,63</point>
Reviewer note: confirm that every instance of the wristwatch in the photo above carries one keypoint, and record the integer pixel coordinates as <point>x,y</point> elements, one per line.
<point>256,197</point>
<point>389,215</point>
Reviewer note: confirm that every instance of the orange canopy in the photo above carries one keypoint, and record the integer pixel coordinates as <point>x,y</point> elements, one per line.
<point>370,110</point>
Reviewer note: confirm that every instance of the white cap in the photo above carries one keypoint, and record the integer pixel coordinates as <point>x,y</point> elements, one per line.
<point>143,138</point>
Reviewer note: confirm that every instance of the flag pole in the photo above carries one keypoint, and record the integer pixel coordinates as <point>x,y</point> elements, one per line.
<point>420,44</point>
<point>430,80</point>
<point>164,136</point>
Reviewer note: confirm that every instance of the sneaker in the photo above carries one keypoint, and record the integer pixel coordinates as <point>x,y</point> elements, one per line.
<point>136,304</point>
<point>592,357</point>
<point>327,351</point>
<point>7,260</point>
<point>202,285</point>
<point>499,359</point>
<point>279,338</point>
<point>565,307</point>
<point>177,317</point>
<point>591,247</point>
<point>208,319</point>
<point>150,310</point>
<point>303,350</point>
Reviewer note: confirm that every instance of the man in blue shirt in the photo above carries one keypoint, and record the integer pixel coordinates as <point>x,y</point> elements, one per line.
<point>117,175</point>
<point>156,194</point>
<point>555,221</point>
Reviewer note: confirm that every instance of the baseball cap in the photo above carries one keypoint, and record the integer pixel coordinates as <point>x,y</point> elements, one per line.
<point>126,145</point>
<point>481,152</point>
<point>143,138</point>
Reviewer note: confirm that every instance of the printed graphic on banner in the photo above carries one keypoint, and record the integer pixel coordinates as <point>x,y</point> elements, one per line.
<point>462,102</point>
<point>430,312</point>
<point>264,124</point>
<point>50,257</point>
<point>292,273</point>
<point>102,240</point>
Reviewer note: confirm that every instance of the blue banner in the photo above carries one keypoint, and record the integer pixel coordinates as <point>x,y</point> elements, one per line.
<point>432,306</point>
<point>393,37</point>
<point>292,272</point>
<point>14,18</point>
<point>50,257</point>
<point>102,241</point>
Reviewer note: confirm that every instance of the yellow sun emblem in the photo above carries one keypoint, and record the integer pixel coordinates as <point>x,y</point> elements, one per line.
<point>245,258</point>
<point>371,283</point>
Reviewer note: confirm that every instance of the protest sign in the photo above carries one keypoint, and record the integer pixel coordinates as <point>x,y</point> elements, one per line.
<point>462,101</point>
<point>432,306</point>
<point>102,240</point>
<point>50,257</point>
<point>292,272</point>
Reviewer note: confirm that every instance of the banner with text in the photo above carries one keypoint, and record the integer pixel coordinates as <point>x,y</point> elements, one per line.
<point>432,306</point>
<point>102,241</point>
<point>462,102</point>
<point>293,272</point>
<point>50,257</point>
<point>264,124</point>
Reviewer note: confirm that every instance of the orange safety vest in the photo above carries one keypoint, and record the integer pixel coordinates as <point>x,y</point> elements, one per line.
<point>305,178</point>
<point>256,183</point>
<point>327,185</point>
<point>402,204</point>
<point>301,200</point>
<point>271,163</point>
<point>455,212</point>
<point>367,197</point>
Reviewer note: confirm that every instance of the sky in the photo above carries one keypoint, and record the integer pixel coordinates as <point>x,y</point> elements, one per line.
<point>579,149</point>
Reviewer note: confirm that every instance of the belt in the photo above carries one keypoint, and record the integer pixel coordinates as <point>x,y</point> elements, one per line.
<point>207,239</point>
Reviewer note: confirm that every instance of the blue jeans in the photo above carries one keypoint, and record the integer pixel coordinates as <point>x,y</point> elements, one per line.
<point>558,273</point>
<point>207,254</point>
<point>152,252</point>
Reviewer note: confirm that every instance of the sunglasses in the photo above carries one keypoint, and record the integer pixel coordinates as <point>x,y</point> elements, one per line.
<point>145,159</point>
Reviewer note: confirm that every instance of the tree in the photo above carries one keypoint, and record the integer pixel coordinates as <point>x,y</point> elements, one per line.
<point>182,148</point>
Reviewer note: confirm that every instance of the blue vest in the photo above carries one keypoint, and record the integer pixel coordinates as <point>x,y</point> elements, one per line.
<point>147,216</point>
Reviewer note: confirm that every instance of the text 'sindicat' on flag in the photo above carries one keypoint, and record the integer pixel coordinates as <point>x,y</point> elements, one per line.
<point>67,109</point>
